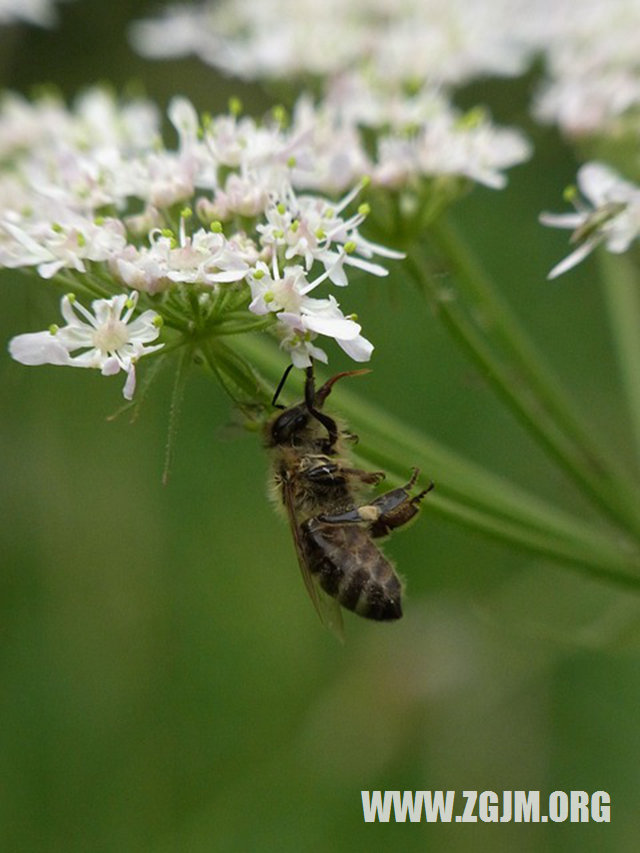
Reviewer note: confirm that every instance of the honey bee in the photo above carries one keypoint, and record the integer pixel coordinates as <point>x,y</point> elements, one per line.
<point>333,525</point>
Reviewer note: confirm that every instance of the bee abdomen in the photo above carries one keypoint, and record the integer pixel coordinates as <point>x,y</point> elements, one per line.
<point>351,569</point>
<point>372,598</point>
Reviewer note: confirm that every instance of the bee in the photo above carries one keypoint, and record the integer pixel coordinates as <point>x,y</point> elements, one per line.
<point>334,527</point>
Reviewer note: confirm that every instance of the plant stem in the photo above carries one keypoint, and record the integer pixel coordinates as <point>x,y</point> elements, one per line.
<point>235,374</point>
<point>493,337</point>
<point>622,294</point>
<point>593,558</point>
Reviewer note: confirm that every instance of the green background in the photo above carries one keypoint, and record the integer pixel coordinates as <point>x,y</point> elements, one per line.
<point>165,682</point>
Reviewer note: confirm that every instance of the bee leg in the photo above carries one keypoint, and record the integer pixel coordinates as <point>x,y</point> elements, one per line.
<point>388,511</point>
<point>357,515</point>
<point>397,507</point>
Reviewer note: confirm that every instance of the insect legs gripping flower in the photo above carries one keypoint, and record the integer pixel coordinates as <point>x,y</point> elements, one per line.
<point>334,527</point>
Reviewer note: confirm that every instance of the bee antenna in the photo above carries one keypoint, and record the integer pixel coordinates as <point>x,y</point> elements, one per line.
<point>311,398</point>
<point>274,400</point>
<point>322,393</point>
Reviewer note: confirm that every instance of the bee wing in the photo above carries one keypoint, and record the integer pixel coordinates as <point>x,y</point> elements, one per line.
<point>326,607</point>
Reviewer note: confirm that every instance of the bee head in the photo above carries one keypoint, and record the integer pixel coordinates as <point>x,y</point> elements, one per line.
<point>288,424</point>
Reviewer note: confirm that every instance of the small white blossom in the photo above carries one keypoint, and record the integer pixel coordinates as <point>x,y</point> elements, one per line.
<point>587,103</point>
<point>64,243</point>
<point>302,317</point>
<point>453,145</point>
<point>312,228</point>
<point>332,156</point>
<point>110,342</point>
<point>298,332</point>
<point>608,212</point>
<point>241,196</point>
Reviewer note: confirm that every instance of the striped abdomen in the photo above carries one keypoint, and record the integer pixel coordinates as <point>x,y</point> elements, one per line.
<point>352,569</point>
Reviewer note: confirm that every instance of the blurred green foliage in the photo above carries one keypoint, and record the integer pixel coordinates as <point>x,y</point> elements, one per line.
<point>166,685</point>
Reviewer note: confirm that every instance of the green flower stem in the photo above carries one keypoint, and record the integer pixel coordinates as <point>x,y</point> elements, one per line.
<point>235,373</point>
<point>466,492</point>
<point>622,293</point>
<point>179,383</point>
<point>83,283</point>
<point>492,335</point>
<point>594,558</point>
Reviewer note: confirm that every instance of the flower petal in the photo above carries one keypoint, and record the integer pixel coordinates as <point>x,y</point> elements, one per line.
<point>359,348</point>
<point>38,348</point>
<point>130,384</point>
<point>574,258</point>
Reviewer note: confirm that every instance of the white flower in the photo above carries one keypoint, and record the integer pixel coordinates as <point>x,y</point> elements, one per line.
<point>66,242</point>
<point>330,155</point>
<point>203,258</point>
<point>110,342</point>
<point>302,317</point>
<point>241,196</point>
<point>309,227</point>
<point>586,103</point>
<point>611,215</point>
<point>322,316</point>
<point>468,146</point>
<point>272,292</point>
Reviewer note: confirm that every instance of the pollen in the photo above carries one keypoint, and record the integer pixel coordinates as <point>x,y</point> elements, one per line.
<point>369,512</point>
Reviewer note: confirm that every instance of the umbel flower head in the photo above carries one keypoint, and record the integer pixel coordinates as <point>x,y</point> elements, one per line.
<point>241,226</point>
<point>590,59</point>
<point>444,40</point>
<point>386,78</point>
<point>92,198</point>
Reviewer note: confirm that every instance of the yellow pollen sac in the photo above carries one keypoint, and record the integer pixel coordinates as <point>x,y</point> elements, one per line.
<point>110,336</point>
<point>369,513</point>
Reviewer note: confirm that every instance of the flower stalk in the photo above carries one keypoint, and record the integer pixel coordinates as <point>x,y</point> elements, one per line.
<point>517,371</point>
<point>620,286</point>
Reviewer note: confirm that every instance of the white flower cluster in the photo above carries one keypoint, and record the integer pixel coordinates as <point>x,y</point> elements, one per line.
<point>417,136</point>
<point>40,12</point>
<point>444,41</point>
<point>590,54</point>
<point>93,195</point>
<point>593,66</point>
<point>607,210</point>
<point>386,66</point>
